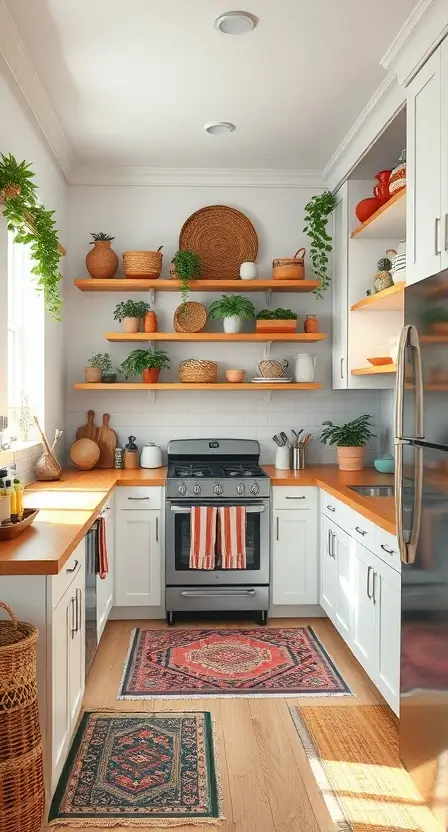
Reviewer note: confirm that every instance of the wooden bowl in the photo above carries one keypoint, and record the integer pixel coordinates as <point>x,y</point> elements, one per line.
<point>13,531</point>
<point>84,453</point>
<point>380,361</point>
<point>235,376</point>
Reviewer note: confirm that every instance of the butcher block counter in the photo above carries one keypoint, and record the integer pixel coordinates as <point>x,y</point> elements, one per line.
<point>70,506</point>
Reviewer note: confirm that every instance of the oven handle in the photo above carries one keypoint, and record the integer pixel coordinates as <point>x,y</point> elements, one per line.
<point>222,593</point>
<point>187,509</point>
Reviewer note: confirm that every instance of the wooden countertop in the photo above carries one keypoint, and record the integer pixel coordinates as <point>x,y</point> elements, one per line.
<point>70,506</point>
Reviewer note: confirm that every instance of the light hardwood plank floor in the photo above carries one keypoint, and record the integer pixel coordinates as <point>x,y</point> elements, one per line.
<point>267,782</point>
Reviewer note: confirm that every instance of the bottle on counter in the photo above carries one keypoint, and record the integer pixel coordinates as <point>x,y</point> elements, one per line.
<point>18,488</point>
<point>130,456</point>
<point>10,491</point>
<point>5,502</point>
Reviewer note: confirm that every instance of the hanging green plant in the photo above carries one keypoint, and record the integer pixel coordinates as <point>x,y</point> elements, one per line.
<point>32,224</point>
<point>187,266</point>
<point>317,212</point>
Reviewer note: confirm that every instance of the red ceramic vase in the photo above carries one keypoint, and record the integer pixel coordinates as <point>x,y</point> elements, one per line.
<point>151,376</point>
<point>367,207</point>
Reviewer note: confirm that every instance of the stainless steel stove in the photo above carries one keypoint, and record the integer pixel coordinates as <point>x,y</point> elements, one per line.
<point>218,472</point>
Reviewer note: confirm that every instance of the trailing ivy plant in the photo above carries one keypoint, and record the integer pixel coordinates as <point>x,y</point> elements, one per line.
<point>32,224</point>
<point>317,212</point>
<point>187,266</point>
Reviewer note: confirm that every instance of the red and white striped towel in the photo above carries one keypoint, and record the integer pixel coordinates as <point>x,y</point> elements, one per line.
<point>202,537</point>
<point>232,537</point>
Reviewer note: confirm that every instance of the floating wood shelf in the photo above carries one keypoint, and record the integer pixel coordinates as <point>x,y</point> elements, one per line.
<point>434,339</point>
<point>371,371</point>
<point>134,285</point>
<point>246,337</point>
<point>389,300</point>
<point>178,386</point>
<point>388,222</point>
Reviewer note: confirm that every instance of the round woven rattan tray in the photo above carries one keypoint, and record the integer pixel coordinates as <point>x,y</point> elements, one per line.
<point>223,238</point>
<point>190,317</point>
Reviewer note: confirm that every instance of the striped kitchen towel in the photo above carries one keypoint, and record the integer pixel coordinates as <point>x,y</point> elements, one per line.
<point>232,537</point>
<point>202,537</point>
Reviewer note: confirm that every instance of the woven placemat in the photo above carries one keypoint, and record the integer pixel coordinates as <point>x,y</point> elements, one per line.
<point>223,238</point>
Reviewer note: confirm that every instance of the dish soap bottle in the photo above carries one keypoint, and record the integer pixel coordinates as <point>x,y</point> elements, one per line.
<point>12,499</point>
<point>5,502</point>
<point>18,488</point>
<point>130,456</point>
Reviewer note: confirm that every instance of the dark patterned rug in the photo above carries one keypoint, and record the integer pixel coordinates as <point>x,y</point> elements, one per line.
<point>196,663</point>
<point>140,769</point>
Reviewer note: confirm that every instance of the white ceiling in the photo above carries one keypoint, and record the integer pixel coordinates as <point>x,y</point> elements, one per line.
<point>133,83</point>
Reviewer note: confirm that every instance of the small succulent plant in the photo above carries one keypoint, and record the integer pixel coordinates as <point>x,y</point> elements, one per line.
<point>102,237</point>
<point>384,264</point>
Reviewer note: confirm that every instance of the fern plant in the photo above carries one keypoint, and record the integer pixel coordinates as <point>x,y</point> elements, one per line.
<point>232,306</point>
<point>353,434</point>
<point>316,218</point>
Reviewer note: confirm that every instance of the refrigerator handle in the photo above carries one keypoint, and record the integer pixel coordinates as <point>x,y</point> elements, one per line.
<point>418,499</point>
<point>402,547</point>
<point>409,339</point>
<point>400,383</point>
<point>419,409</point>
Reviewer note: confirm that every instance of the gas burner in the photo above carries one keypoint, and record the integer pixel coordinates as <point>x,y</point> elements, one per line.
<point>193,471</point>
<point>243,471</point>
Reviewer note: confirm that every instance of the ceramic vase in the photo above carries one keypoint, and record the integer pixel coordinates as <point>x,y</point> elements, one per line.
<point>232,324</point>
<point>150,324</point>
<point>351,459</point>
<point>131,324</point>
<point>101,261</point>
<point>248,271</point>
<point>92,375</point>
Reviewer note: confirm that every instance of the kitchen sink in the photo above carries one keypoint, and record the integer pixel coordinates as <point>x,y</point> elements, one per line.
<point>374,490</point>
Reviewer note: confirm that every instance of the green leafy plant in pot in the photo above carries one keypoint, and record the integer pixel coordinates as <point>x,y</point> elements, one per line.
<point>435,320</point>
<point>147,363</point>
<point>186,267</point>
<point>99,365</point>
<point>350,440</point>
<point>317,212</point>
<point>233,310</point>
<point>131,312</point>
<point>277,320</point>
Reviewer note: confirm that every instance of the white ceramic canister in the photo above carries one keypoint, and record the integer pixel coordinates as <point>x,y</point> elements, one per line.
<point>305,364</point>
<point>248,271</point>
<point>150,456</point>
<point>283,458</point>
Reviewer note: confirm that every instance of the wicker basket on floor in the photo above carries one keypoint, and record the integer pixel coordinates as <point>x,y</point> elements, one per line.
<point>22,794</point>
<point>194,371</point>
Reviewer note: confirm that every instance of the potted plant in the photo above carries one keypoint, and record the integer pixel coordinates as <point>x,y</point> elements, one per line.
<point>101,261</point>
<point>277,320</point>
<point>131,312</point>
<point>147,363</point>
<point>435,320</point>
<point>186,266</point>
<point>233,309</point>
<point>32,224</point>
<point>98,364</point>
<point>350,439</point>
<point>316,218</point>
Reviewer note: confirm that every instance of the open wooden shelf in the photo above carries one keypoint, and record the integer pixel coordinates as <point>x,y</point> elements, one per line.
<point>179,386</point>
<point>90,284</point>
<point>388,222</point>
<point>372,371</point>
<point>246,337</point>
<point>389,300</point>
<point>434,339</point>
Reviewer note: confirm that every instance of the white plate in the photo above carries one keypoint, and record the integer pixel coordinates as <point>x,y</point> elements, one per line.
<point>277,380</point>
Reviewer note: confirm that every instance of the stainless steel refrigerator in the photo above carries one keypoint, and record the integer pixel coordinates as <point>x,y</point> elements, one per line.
<point>421,489</point>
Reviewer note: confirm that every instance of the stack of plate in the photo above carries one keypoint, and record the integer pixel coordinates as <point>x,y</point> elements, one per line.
<point>399,263</point>
<point>277,380</point>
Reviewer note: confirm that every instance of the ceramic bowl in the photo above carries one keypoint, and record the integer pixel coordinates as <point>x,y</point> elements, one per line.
<point>385,465</point>
<point>380,360</point>
<point>235,376</point>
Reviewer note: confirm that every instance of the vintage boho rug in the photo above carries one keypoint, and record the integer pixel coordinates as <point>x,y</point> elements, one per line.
<point>353,753</point>
<point>195,663</point>
<point>140,769</point>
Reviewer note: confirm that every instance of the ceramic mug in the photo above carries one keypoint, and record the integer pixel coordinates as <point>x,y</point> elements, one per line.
<point>272,368</point>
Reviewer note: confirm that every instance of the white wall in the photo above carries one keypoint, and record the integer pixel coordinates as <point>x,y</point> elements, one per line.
<point>21,136</point>
<point>149,216</point>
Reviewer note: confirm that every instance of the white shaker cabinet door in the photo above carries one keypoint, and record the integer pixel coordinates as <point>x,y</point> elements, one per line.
<point>77,646</point>
<point>294,557</point>
<point>343,544</point>
<point>328,568</point>
<point>62,622</point>
<point>105,586</point>
<point>339,289</point>
<point>138,579</point>
<point>444,159</point>
<point>387,594</point>
<point>364,613</point>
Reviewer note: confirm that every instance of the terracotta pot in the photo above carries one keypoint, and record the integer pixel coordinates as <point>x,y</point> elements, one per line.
<point>351,459</point>
<point>150,324</point>
<point>101,261</point>
<point>131,324</point>
<point>311,324</point>
<point>151,376</point>
<point>92,374</point>
<point>367,207</point>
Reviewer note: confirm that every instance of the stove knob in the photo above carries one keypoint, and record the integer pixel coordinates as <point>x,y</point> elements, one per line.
<point>182,489</point>
<point>254,489</point>
<point>240,488</point>
<point>217,490</point>
<point>196,489</point>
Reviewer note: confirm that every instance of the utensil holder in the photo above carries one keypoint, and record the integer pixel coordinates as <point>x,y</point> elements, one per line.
<point>298,458</point>
<point>283,458</point>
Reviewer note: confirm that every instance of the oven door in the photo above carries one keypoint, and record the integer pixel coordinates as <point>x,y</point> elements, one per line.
<point>177,548</point>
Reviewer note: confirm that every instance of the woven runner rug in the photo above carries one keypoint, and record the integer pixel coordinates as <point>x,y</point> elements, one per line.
<point>140,769</point>
<point>258,662</point>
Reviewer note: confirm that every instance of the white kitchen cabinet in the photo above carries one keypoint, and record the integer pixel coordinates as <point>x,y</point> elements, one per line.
<point>444,158</point>
<point>342,555</point>
<point>138,557</point>
<point>294,556</point>
<point>340,289</point>
<point>364,638</point>
<point>105,586</point>
<point>328,569</point>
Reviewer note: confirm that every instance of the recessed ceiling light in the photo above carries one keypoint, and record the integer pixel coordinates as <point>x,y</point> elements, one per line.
<point>235,23</point>
<point>216,128</point>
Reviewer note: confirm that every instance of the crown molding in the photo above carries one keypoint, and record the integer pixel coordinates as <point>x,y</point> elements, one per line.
<point>420,35</point>
<point>16,57</point>
<point>197,177</point>
<point>383,106</point>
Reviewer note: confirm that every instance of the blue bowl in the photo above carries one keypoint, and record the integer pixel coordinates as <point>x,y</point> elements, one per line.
<point>384,466</point>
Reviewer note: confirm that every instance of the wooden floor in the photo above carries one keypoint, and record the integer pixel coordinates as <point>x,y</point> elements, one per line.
<point>267,782</point>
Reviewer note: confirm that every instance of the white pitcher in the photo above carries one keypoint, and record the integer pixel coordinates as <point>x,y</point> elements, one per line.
<point>305,364</point>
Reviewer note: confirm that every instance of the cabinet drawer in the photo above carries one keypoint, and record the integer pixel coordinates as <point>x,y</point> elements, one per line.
<point>334,509</point>
<point>361,529</point>
<point>386,548</point>
<point>294,497</point>
<point>138,497</point>
<point>61,582</point>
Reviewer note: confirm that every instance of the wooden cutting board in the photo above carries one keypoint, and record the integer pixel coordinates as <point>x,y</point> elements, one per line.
<point>89,430</point>
<point>107,440</point>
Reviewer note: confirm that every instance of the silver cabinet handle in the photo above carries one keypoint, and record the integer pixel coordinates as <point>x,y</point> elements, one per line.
<point>329,543</point>
<point>220,593</point>
<point>73,628</point>
<point>360,531</point>
<point>374,587</point>
<point>342,367</point>
<point>387,549</point>
<point>295,498</point>
<point>331,508</point>
<point>157,529</point>
<point>277,526</point>
<point>138,499</point>
<point>333,549</point>
<point>369,570</point>
<point>78,609</point>
<point>75,566</point>
<point>446,232</point>
<point>436,235</point>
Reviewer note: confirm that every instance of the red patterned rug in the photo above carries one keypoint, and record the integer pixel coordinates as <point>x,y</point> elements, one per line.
<point>181,664</point>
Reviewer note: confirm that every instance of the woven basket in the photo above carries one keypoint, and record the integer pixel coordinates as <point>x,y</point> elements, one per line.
<point>198,372</point>
<point>145,264</point>
<point>190,317</point>
<point>290,268</point>
<point>22,794</point>
<point>223,238</point>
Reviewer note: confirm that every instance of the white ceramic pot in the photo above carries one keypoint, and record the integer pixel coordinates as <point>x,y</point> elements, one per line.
<point>305,364</point>
<point>232,324</point>
<point>248,271</point>
<point>150,456</point>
